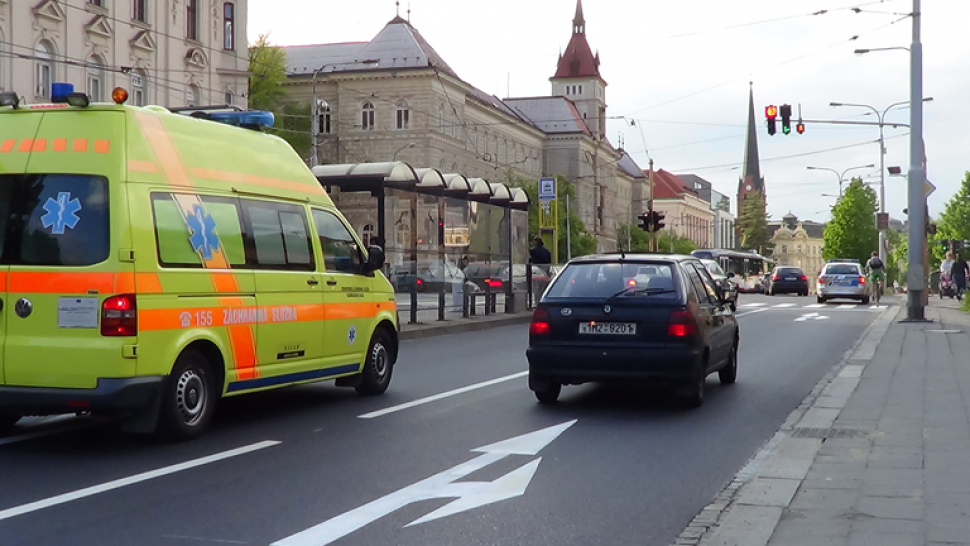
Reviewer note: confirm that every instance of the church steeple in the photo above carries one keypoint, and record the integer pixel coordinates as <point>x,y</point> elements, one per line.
<point>751,180</point>
<point>579,22</point>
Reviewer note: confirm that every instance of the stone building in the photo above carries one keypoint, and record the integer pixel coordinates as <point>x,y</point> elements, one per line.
<point>723,224</point>
<point>687,213</point>
<point>166,52</point>
<point>395,98</point>
<point>798,243</point>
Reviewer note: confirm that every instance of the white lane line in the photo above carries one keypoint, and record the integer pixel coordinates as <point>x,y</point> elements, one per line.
<point>137,478</point>
<point>848,306</point>
<point>750,313</point>
<point>435,397</point>
<point>753,304</point>
<point>815,306</point>
<point>782,305</point>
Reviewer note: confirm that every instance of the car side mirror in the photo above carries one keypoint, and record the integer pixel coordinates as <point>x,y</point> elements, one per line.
<point>375,259</point>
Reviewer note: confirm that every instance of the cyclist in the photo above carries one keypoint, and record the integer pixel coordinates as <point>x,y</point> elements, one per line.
<point>877,276</point>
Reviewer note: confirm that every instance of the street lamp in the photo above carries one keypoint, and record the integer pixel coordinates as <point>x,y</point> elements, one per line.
<point>316,106</point>
<point>864,51</point>
<point>881,116</point>
<point>402,148</point>
<point>842,174</point>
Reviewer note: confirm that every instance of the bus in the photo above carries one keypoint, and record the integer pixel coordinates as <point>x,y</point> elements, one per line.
<point>749,267</point>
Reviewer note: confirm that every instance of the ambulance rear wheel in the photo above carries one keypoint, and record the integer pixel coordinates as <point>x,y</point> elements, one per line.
<point>190,398</point>
<point>7,421</point>
<point>376,375</point>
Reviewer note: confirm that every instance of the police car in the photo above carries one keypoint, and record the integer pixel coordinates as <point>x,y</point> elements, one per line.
<point>842,278</point>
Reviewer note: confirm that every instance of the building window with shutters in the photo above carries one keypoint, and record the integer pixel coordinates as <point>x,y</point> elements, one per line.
<point>228,26</point>
<point>403,115</point>
<point>367,117</point>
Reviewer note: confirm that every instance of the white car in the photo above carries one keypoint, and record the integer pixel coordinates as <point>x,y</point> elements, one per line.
<point>842,279</point>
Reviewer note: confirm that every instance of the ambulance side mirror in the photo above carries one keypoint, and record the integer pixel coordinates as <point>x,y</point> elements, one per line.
<point>375,258</point>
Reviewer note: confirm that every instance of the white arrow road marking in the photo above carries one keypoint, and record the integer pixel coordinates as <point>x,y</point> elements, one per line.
<point>442,485</point>
<point>811,316</point>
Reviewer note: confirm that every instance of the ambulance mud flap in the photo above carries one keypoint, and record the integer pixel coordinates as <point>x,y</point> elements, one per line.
<point>146,420</point>
<point>349,380</point>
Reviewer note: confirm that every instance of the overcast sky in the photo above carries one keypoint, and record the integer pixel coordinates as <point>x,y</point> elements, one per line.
<point>681,69</point>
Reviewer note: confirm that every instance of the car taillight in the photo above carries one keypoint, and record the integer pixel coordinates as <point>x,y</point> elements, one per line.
<point>494,283</point>
<point>119,316</point>
<point>419,282</point>
<point>821,280</point>
<point>681,324</point>
<point>540,323</point>
<point>862,280</point>
<point>775,277</point>
<point>804,278</point>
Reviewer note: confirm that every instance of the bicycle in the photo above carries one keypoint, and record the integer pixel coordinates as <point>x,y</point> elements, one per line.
<point>875,285</point>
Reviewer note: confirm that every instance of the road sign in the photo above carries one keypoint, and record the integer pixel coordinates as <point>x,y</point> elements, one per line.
<point>467,495</point>
<point>928,188</point>
<point>547,189</point>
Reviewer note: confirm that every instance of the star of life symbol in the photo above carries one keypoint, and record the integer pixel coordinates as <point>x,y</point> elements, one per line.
<point>61,213</point>
<point>204,238</point>
<point>352,335</point>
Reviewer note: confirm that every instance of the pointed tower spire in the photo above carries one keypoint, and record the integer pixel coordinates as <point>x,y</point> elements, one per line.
<point>579,22</point>
<point>751,180</point>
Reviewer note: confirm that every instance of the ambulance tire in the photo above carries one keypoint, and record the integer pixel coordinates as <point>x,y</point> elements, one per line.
<point>376,375</point>
<point>7,421</point>
<point>189,400</point>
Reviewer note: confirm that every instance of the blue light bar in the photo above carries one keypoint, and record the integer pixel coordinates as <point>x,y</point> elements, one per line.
<point>255,119</point>
<point>60,91</point>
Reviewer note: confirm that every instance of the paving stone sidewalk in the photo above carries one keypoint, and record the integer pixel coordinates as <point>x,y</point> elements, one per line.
<point>880,457</point>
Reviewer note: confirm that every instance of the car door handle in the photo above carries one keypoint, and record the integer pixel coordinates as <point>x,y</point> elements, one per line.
<point>331,283</point>
<point>312,282</point>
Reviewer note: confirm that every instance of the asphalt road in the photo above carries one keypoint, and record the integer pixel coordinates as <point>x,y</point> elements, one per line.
<point>623,466</point>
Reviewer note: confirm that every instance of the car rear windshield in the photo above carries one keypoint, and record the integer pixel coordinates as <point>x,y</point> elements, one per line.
<point>842,270</point>
<point>603,280</point>
<point>789,271</point>
<point>53,219</point>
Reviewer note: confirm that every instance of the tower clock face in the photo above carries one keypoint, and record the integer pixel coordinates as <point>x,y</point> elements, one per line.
<point>748,187</point>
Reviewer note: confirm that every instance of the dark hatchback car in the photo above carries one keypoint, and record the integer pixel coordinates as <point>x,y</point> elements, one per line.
<point>787,280</point>
<point>648,317</point>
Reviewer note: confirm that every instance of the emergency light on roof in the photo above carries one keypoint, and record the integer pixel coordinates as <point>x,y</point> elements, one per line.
<point>64,92</point>
<point>255,119</point>
<point>9,98</point>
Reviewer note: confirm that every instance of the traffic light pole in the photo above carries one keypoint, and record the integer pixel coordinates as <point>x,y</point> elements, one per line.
<point>916,281</point>
<point>650,239</point>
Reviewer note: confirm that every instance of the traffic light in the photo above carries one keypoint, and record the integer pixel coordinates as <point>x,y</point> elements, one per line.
<point>657,221</point>
<point>771,112</point>
<point>800,127</point>
<point>786,119</point>
<point>644,222</point>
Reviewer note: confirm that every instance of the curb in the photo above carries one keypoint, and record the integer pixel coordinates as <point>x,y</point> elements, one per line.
<point>422,331</point>
<point>747,510</point>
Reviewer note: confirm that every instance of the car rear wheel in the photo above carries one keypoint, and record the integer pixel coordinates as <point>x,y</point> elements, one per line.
<point>692,394</point>
<point>190,397</point>
<point>729,374</point>
<point>376,375</point>
<point>7,421</point>
<point>548,393</point>
<point>820,299</point>
<point>865,300</point>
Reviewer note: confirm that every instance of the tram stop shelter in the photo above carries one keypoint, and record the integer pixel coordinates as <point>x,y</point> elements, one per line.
<point>454,245</point>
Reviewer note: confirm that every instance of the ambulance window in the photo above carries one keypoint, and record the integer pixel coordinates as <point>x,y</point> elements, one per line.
<point>340,251</point>
<point>177,243</point>
<point>66,220</point>
<point>280,235</point>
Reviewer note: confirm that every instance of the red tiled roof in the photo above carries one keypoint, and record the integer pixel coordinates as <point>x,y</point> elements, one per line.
<point>668,186</point>
<point>578,61</point>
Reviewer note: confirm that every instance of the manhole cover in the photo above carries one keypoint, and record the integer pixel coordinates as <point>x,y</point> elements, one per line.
<point>824,433</point>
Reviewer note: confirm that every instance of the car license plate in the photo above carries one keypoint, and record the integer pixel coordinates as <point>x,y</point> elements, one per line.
<point>608,328</point>
<point>791,278</point>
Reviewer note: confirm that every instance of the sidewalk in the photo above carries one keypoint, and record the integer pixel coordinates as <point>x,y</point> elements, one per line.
<point>878,454</point>
<point>455,325</point>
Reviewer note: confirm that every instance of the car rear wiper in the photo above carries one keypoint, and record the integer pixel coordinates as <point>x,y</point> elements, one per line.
<point>647,291</point>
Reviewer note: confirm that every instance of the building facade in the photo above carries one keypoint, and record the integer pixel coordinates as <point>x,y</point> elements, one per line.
<point>687,213</point>
<point>798,243</point>
<point>723,223</point>
<point>166,52</point>
<point>395,98</point>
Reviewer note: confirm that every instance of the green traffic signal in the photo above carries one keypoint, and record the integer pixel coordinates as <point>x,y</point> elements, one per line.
<point>786,128</point>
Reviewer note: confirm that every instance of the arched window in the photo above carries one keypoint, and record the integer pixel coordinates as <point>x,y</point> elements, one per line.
<point>193,95</point>
<point>324,120</point>
<point>139,96</point>
<point>367,117</point>
<point>367,235</point>
<point>96,79</point>
<point>403,114</point>
<point>43,69</point>
<point>228,26</point>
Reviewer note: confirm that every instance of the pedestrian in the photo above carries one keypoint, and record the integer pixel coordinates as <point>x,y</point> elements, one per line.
<point>958,273</point>
<point>947,264</point>
<point>539,254</point>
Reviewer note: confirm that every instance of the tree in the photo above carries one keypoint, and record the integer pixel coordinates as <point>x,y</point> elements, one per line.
<point>267,66</point>
<point>293,126</point>
<point>954,223</point>
<point>753,224</point>
<point>583,242</point>
<point>852,232</point>
<point>640,240</point>
<point>669,241</point>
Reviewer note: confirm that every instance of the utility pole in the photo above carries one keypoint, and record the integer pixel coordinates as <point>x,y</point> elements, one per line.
<point>569,239</point>
<point>650,236</point>
<point>916,281</point>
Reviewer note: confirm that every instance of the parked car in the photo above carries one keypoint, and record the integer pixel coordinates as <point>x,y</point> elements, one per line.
<point>651,317</point>
<point>842,279</point>
<point>495,275</point>
<point>786,280</point>
<point>430,278</point>
<point>725,280</point>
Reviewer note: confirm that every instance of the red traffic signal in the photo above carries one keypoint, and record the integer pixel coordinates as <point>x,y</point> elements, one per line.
<point>800,127</point>
<point>771,111</point>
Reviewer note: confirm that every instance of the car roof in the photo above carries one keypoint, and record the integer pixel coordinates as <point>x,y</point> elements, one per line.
<point>632,257</point>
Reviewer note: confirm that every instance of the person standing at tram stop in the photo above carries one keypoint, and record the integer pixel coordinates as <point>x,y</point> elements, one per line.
<point>539,255</point>
<point>958,273</point>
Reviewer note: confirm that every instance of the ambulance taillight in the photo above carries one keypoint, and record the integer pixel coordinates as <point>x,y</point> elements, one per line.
<point>119,316</point>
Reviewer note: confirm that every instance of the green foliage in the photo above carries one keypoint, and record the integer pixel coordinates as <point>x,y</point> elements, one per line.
<point>852,232</point>
<point>666,240</point>
<point>267,66</point>
<point>897,252</point>
<point>583,242</point>
<point>753,224</point>
<point>293,126</point>
<point>669,241</point>
<point>954,223</point>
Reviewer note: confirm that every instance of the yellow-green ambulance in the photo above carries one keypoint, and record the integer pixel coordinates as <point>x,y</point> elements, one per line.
<point>152,263</point>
